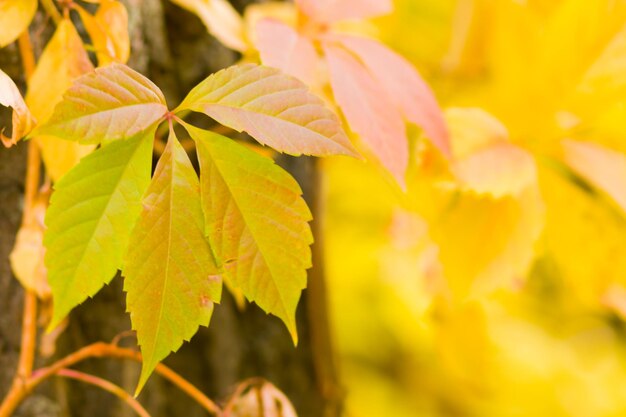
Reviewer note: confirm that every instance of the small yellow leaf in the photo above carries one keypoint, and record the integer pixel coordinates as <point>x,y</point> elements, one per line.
<point>108,30</point>
<point>28,253</point>
<point>472,129</point>
<point>15,16</point>
<point>221,19</point>
<point>22,120</point>
<point>62,61</point>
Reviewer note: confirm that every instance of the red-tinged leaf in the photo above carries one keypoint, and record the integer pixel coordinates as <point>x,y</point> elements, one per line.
<point>329,11</point>
<point>92,212</point>
<point>22,120</point>
<point>369,110</point>
<point>283,47</point>
<point>171,278</point>
<point>108,30</point>
<point>257,223</point>
<point>274,108</point>
<point>112,103</point>
<point>498,170</point>
<point>403,84</point>
<point>603,168</point>
<point>15,16</point>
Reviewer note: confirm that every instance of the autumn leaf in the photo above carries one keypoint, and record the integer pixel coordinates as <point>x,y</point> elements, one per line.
<point>369,110</point>
<point>259,398</point>
<point>110,103</point>
<point>15,16</point>
<point>63,60</point>
<point>221,19</point>
<point>92,212</point>
<point>108,30</point>
<point>602,167</point>
<point>282,47</point>
<point>22,120</point>
<point>256,221</point>
<point>275,109</point>
<point>171,278</point>
<point>401,81</point>
<point>27,256</point>
<point>329,11</point>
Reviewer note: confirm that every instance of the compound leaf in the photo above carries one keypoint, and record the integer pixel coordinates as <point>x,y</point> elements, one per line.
<point>112,103</point>
<point>170,274</point>
<point>274,108</point>
<point>91,214</point>
<point>257,223</point>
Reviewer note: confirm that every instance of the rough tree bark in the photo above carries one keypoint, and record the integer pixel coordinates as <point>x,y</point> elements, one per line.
<point>172,47</point>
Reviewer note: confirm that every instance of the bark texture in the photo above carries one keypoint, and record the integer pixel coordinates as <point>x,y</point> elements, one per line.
<point>173,48</point>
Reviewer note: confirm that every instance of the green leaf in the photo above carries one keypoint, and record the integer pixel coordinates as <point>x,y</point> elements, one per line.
<point>92,212</point>
<point>257,223</point>
<point>114,102</point>
<point>171,278</point>
<point>276,109</point>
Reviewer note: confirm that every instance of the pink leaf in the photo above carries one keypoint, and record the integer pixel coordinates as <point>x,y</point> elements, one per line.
<point>404,85</point>
<point>282,47</point>
<point>329,11</point>
<point>369,110</point>
<point>602,167</point>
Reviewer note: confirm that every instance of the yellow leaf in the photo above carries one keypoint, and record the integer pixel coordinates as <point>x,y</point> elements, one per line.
<point>472,129</point>
<point>108,30</point>
<point>221,19</point>
<point>63,60</point>
<point>15,16</point>
<point>28,252</point>
<point>22,120</point>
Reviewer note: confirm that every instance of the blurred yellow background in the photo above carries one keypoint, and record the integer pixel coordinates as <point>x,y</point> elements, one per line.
<point>502,295</point>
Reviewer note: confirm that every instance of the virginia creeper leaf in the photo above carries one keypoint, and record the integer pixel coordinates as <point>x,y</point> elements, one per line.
<point>91,214</point>
<point>257,223</point>
<point>171,278</point>
<point>111,103</point>
<point>62,61</point>
<point>221,19</point>
<point>22,120</point>
<point>369,110</point>
<point>329,11</point>
<point>602,167</point>
<point>15,16</point>
<point>274,108</point>
<point>284,48</point>
<point>403,84</point>
<point>108,30</point>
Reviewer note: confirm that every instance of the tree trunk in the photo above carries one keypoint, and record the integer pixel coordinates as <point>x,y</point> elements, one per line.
<point>171,47</point>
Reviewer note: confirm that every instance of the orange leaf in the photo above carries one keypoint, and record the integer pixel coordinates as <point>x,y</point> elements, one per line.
<point>62,61</point>
<point>108,30</point>
<point>370,111</point>
<point>22,120</point>
<point>15,16</point>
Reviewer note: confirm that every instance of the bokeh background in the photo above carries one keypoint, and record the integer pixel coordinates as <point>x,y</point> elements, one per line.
<point>447,301</point>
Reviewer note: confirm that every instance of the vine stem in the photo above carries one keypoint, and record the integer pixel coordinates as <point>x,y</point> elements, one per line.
<point>99,350</point>
<point>52,10</point>
<point>106,386</point>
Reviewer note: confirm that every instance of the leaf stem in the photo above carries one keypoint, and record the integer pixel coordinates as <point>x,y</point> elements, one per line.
<point>99,350</point>
<point>106,386</point>
<point>52,11</point>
